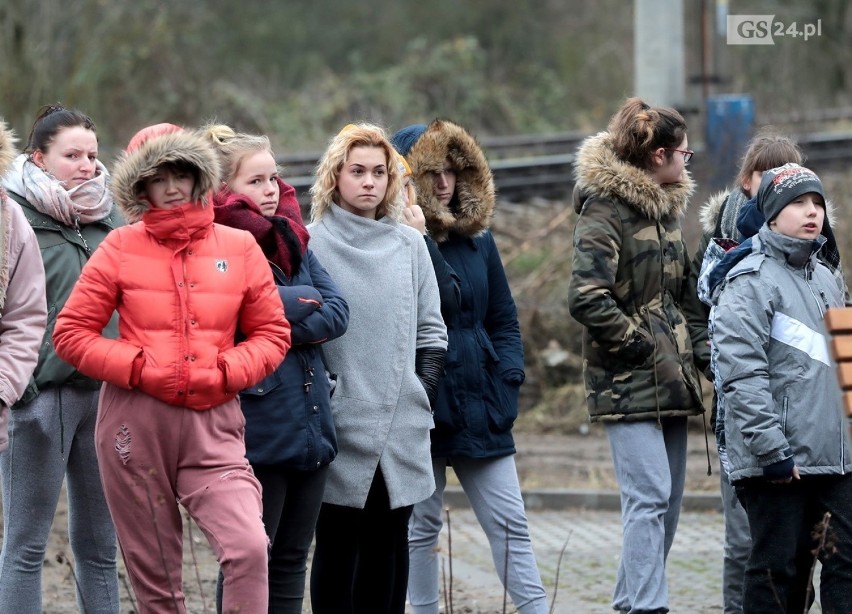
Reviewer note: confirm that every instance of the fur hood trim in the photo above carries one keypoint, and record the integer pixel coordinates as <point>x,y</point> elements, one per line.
<point>475,191</point>
<point>600,172</point>
<point>8,153</point>
<point>185,146</point>
<point>709,214</point>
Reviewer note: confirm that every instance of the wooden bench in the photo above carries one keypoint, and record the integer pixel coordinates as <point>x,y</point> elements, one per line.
<point>838,321</point>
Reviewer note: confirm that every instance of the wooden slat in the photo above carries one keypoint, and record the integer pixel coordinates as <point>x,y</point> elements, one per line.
<point>847,403</point>
<point>841,347</point>
<point>839,320</point>
<point>844,372</point>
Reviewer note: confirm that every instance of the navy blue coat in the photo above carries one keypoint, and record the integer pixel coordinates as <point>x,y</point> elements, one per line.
<point>478,399</point>
<point>288,414</point>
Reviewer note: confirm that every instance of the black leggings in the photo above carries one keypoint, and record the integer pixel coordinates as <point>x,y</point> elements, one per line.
<point>360,563</point>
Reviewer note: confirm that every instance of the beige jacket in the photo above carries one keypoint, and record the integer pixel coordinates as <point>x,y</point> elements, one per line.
<point>23,308</point>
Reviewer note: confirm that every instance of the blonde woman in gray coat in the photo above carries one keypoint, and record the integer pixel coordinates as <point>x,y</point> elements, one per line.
<point>388,364</point>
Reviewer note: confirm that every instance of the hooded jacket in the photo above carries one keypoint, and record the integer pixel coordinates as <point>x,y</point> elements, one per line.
<point>182,287</point>
<point>288,413</point>
<point>773,363</point>
<point>628,288</point>
<point>477,401</point>
<point>23,311</point>
<point>730,223</point>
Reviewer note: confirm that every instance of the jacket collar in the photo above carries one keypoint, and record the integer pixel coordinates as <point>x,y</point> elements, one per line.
<point>600,172</point>
<point>181,224</point>
<point>795,252</point>
<point>354,229</point>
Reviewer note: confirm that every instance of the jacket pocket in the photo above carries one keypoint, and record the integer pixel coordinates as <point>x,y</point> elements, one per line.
<point>265,386</point>
<point>501,402</point>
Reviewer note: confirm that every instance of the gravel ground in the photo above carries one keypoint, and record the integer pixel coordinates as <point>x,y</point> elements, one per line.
<point>544,462</point>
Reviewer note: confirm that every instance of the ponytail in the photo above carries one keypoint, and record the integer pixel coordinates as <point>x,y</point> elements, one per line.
<point>638,129</point>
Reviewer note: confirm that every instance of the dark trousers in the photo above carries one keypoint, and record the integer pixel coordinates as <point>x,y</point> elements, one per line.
<point>291,504</point>
<point>784,522</point>
<point>360,563</point>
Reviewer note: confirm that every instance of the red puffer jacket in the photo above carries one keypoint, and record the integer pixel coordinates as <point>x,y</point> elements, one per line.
<point>181,285</point>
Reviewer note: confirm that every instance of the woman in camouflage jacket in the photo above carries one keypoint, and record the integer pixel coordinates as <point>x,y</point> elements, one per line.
<point>629,290</point>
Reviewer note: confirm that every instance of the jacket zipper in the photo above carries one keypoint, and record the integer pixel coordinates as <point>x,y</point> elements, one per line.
<point>82,238</point>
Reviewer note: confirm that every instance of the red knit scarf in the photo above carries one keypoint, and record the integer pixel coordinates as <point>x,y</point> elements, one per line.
<point>282,236</point>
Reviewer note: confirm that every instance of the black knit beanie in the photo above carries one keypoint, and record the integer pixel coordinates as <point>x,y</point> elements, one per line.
<point>781,185</point>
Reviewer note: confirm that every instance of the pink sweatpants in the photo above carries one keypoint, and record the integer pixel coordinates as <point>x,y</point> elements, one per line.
<point>153,456</point>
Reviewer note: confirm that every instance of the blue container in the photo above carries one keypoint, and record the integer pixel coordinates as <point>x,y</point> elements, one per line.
<point>730,122</point>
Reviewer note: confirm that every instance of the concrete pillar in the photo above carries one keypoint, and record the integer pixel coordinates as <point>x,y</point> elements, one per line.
<point>659,58</point>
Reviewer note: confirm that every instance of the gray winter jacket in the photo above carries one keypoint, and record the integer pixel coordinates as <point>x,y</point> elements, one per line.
<point>779,381</point>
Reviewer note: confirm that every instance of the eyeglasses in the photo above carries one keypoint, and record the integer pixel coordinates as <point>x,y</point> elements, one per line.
<point>687,153</point>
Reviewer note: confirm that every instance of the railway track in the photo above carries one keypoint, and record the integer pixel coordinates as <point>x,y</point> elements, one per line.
<point>530,166</point>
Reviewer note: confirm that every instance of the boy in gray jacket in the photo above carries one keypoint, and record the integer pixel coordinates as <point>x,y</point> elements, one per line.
<point>787,441</point>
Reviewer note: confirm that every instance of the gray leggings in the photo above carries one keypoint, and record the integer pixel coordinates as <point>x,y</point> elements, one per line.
<point>50,437</point>
<point>491,485</point>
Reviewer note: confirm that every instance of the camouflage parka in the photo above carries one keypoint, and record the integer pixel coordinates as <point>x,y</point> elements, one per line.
<point>628,289</point>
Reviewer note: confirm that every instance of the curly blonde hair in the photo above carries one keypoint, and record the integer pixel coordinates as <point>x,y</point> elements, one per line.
<point>324,191</point>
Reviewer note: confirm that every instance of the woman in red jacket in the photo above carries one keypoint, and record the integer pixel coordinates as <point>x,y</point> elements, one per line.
<point>170,429</point>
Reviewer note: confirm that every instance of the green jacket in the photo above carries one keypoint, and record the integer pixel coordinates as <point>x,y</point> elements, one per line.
<point>64,250</point>
<point>628,289</point>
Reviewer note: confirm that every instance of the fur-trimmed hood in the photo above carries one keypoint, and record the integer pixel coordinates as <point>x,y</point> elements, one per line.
<point>600,172</point>
<point>709,213</point>
<point>473,205</point>
<point>7,147</point>
<point>183,146</point>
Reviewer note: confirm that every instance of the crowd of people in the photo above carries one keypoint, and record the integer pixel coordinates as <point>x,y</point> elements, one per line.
<point>174,335</point>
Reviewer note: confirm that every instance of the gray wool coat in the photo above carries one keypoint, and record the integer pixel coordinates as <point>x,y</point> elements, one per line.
<point>381,411</point>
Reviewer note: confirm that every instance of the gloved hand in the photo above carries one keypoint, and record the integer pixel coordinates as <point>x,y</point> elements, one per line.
<point>429,366</point>
<point>782,470</point>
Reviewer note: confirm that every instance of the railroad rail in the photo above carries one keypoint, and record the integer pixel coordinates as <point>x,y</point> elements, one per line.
<point>529,166</point>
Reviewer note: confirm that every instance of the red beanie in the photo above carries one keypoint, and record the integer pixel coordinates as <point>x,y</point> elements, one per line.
<point>146,134</point>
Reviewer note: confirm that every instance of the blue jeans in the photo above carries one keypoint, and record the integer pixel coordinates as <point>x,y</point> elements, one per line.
<point>650,466</point>
<point>492,487</point>
<point>781,518</point>
<point>51,439</point>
